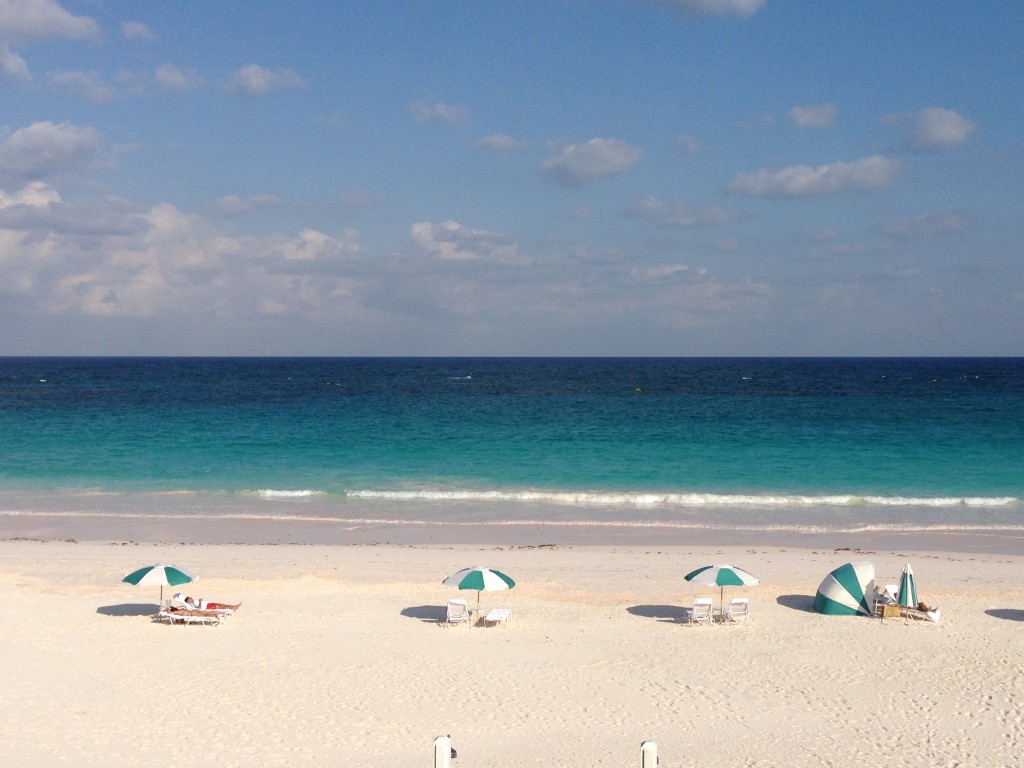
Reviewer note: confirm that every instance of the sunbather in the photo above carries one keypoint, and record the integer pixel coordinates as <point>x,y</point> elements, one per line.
<point>922,607</point>
<point>206,605</point>
<point>199,604</point>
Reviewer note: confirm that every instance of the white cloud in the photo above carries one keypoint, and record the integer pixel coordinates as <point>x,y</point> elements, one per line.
<point>169,76</point>
<point>254,80</point>
<point>660,272</point>
<point>87,84</point>
<point>311,245</point>
<point>676,213</point>
<point>688,145</point>
<point>452,241</point>
<point>36,194</point>
<point>578,164</point>
<point>424,110</point>
<point>814,116</point>
<point>111,259</point>
<point>134,30</point>
<point>743,8</point>
<point>232,205</point>
<point>41,20</point>
<point>499,143</point>
<point>12,66</point>
<point>938,129</point>
<point>868,174</point>
<point>43,148</point>
<point>934,129</point>
<point>947,222</point>
<point>38,208</point>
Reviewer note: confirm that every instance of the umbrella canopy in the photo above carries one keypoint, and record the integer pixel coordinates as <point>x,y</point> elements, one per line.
<point>481,579</point>
<point>722,576</point>
<point>160,574</point>
<point>846,591</point>
<point>908,588</point>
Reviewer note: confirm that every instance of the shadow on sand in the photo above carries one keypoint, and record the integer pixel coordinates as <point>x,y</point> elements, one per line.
<point>431,613</point>
<point>1007,614</point>
<point>671,613</point>
<point>797,602</point>
<point>128,609</point>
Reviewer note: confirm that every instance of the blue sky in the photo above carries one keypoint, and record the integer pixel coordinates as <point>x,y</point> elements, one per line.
<point>589,177</point>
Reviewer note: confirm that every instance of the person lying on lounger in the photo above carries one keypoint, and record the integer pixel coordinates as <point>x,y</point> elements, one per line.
<point>199,604</point>
<point>922,607</point>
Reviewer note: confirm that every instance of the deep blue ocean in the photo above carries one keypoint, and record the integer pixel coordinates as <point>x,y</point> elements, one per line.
<point>607,438</point>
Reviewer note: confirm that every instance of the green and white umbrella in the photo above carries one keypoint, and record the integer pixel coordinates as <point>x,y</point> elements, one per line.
<point>847,591</point>
<point>908,588</point>
<point>160,574</point>
<point>722,576</point>
<point>481,579</point>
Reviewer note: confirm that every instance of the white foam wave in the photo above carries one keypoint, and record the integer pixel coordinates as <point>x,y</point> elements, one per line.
<point>1015,531</point>
<point>640,499</point>
<point>270,493</point>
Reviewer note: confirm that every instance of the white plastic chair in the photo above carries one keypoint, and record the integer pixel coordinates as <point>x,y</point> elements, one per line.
<point>701,613</point>
<point>738,609</point>
<point>458,612</point>
<point>497,616</point>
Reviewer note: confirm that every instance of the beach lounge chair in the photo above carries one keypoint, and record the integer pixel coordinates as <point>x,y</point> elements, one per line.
<point>497,616</point>
<point>701,613</point>
<point>458,612</point>
<point>176,611</point>
<point>914,613</point>
<point>738,609</point>
<point>206,618</point>
<point>885,602</point>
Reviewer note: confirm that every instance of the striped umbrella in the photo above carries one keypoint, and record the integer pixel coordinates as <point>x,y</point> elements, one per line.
<point>481,579</point>
<point>908,588</point>
<point>722,576</point>
<point>160,573</point>
<point>847,590</point>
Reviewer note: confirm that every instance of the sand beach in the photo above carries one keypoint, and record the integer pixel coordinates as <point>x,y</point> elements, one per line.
<point>338,656</point>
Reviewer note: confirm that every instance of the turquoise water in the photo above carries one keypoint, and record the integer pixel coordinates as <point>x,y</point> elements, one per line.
<point>661,436</point>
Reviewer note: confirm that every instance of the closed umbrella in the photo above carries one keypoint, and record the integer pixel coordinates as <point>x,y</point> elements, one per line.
<point>722,576</point>
<point>908,588</point>
<point>160,573</point>
<point>481,579</point>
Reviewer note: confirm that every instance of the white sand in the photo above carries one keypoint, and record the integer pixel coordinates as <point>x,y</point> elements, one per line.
<point>336,659</point>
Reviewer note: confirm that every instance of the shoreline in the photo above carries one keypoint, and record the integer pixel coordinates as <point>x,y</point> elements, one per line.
<point>148,517</point>
<point>221,530</point>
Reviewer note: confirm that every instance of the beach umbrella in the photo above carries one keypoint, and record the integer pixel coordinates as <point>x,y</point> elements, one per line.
<point>481,579</point>
<point>908,588</point>
<point>846,591</point>
<point>722,576</point>
<point>160,573</point>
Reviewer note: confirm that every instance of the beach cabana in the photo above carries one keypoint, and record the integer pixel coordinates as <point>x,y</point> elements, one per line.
<point>847,591</point>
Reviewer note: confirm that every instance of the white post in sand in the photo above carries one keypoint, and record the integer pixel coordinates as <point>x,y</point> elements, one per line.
<point>649,755</point>
<point>443,752</point>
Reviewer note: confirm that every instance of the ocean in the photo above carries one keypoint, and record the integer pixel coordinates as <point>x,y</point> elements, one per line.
<point>807,444</point>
